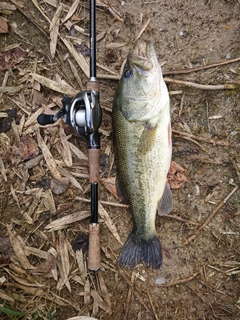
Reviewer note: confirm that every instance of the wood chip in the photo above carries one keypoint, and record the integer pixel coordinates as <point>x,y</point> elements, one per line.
<point>77,151</point>
<point>79,58</point>
<point>71,10</point>
<point>81,265</point>
<point>82,318</point>
<point>65,221</point>
<point>52,166</point>
<point>64,266</point>
<point>18,249</point>
<point>54,28</point>
<point>66,155</point>
<point>54,85</point>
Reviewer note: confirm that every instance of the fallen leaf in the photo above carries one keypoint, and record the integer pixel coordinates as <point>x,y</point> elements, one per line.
<point>177,175</point>
<point>8,59</point>
<point>81,243</point>
<point>5,123</point>
<point>110,185</point>
<point>26,149</point>
<point>59,187</point>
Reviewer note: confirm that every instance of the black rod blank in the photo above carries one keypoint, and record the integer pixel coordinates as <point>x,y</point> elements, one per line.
<point>93,39</point>
<point>94,203</point>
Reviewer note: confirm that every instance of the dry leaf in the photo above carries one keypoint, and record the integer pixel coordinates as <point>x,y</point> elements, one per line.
<point>177,176</point>
<point>81,243</point>
<point>25,150</point>
<point>110,185</point>
<point>8,59</point>
<point>59,187</point>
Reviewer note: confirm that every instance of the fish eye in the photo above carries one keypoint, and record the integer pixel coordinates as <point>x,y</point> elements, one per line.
<point>127,73</point>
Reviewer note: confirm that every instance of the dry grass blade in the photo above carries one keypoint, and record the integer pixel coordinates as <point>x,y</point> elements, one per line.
<point>55,86</point>
<point>111,226</point>
<point>65,221</point>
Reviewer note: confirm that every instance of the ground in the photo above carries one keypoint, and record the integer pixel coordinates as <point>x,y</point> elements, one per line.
<point>40,274</point>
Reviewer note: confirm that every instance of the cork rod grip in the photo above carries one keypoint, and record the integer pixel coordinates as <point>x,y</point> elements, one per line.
<point>94,256</point>
<point>94,163</point>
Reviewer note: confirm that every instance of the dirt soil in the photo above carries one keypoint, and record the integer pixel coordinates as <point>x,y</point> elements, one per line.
<point>44,178</point>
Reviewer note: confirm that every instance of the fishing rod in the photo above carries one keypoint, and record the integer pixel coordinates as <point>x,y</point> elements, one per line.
<point>83,113</point>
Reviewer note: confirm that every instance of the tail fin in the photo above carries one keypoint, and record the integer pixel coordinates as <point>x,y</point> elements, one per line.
<point>137,250</point>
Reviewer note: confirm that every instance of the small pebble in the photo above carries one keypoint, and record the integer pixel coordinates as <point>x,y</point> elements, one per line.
<point>160,280</point>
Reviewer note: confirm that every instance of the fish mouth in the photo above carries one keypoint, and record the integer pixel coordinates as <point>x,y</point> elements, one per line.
<point>142,56</point>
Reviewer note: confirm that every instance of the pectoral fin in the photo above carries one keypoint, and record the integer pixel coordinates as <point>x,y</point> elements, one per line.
<point>147,139</point>
<point>165,205</point>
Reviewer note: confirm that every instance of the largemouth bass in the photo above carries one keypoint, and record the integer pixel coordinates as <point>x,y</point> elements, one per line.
<point>143,147</point>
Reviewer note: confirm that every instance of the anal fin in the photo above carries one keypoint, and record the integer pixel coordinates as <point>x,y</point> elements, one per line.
<point>165,205</point>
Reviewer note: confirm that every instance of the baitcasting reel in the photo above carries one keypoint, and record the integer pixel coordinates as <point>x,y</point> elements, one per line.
<point>82,113</point>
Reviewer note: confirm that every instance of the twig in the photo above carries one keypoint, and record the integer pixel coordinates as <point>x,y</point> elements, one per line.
<point>193,141</point>
<point>185,71</point>
<point>202,86</point>
<point>210,217</point>
<point>181,281</point>
<point>129,294</point>
<point>125,277</point>
<point>152,305</point>
<point>114,204</point>
<point>143,29</point>
<point>185,83</point>
<point>181,219</point>
<point>220,143</point>
<point>236,169</point>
